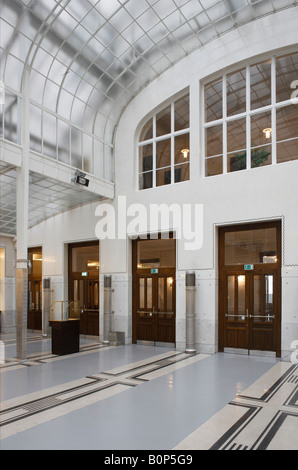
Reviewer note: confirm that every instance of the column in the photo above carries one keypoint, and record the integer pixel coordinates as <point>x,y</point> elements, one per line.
<point>190,287</point>
<point>22,197</point>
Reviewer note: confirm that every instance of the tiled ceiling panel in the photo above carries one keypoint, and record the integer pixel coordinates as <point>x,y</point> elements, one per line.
<point>47,197</point>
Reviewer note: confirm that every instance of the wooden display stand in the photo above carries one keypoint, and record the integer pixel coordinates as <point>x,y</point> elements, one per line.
<point>65,337</point>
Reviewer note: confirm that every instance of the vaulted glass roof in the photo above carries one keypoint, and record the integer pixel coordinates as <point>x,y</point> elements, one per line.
<point>89,58</point>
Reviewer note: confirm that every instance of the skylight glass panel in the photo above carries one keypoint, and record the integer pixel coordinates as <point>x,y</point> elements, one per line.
<point>164,8</point>
<point>93,21</point>
<point>77,113</point>
<point>51,95</point>
<point>64,103</point>
<point>6,33</point>
<point>13,72</point>
<point>10,12</point>
<point>106,34</point>
<point>121,20</point>
<point>42,61</point>
<point>78,9</point>
<point>108,7</point>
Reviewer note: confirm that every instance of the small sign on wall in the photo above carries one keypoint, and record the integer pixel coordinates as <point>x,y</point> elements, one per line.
<point>249,267</point>
<point>154,271</point>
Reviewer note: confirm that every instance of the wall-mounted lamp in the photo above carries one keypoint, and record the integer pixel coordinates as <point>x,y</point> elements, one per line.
<point>268,133</point>
<point>185,153</point>
<point>80,178</point>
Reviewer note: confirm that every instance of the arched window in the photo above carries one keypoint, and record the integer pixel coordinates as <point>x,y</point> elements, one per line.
<point>251,116</point>
<point>164,146</point>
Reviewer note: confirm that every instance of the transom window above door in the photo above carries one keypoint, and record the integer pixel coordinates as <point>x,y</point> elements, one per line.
<point>164,146</point>
<point>251,116</point>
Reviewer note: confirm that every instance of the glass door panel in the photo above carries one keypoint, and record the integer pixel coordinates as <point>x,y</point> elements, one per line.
<point>161,294</point>
<point>236,311</point>
<point>149,293</point>
<point>170,286</point>
<point>145,307</point>
<point>236,298</point>
<point>164,314</point>
<point>145,296</point>
<point>141,293</point>
<point>269,294</point>
<point>241,286</point>
<point>78,293</point>
<point>96,295</point>
<point>263,293</point>
<point>37,295</point>
<point>263,316</point>
<point>257,297</point>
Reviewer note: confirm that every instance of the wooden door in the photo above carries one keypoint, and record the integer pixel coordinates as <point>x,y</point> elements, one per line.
<point>250,294</point>
<point>34,320</point>
<point>236,310</point>
<point>251,310</point>
<point>154,290</point>
<point>155,315</point>
<point>85,295</point>
<point>84,285</point>
<point>264,318</point>
<point>34,317</point>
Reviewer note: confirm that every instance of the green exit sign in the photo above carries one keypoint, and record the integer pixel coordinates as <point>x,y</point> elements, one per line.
<point>249,267</point>
<point>154,271</point>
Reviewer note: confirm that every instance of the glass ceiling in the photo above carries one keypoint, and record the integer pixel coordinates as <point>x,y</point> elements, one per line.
<point>89,58</point>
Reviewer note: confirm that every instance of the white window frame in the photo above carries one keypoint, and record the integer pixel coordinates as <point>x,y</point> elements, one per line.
<point>154,140</point>
<point>247,115</point>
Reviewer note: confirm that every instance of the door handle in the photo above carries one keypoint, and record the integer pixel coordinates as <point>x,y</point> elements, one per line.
<point>268,317</point>
<point>145,312</point>
<point>239,316</point>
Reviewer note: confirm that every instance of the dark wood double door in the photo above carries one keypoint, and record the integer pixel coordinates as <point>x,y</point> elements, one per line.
<point>155,315</point>
<point>84,285</point>
<point>154,292</point>
<point>34,316</point>
<point>250,294</point>
<point>251,310</point>
<point>85,304</point>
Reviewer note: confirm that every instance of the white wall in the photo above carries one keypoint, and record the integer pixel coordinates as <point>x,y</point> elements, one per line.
<point>256,195</point>
<point>253,195</point>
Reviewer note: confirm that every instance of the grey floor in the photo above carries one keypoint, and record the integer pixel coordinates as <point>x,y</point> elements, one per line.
<point>155,415</point>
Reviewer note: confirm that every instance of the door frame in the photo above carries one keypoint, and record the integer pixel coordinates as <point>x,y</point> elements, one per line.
<point>33,319</point>
<point>136,274</point>
<point>259,269</point>
<point>90,317</point>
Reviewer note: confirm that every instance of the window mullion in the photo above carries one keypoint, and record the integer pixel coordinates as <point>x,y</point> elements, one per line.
<point>248,122</point>
<point>225,113</point>
<point>154,153</point>
<point>274,121</point>
<point>172,143</point>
